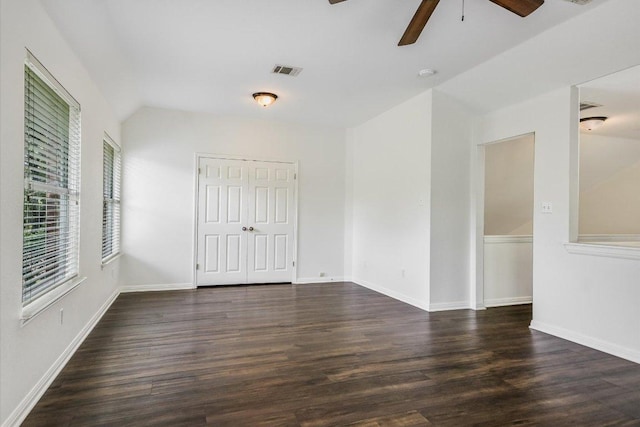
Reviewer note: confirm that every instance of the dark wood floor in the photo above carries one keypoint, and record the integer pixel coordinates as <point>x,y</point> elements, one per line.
<point>330,354</point>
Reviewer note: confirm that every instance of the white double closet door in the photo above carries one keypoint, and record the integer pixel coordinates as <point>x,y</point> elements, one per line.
<point>245,224</point>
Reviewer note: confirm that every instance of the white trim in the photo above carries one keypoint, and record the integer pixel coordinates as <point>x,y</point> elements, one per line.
<point>110,259</point>
<point>392,294</point>
<point>501,302</point>
<point>111,142</point>
<point>157,287</point>
<point>508,239</point>
<point>46,300</point>
<point>599,249</point>
<point>309,280</point>
<point>446,306</point>
<point>196,201</point>
<point>245,158</point>
<point>595,343</point>
<point>26,405</point>
<point>478,239</point>
<point>296,209</point>
<point>476,259</point>
<point>34,64</point>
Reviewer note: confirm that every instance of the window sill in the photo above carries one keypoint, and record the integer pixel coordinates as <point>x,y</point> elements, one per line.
<point>110,259</point>
<point>36,307</point>
<point>603,250</point>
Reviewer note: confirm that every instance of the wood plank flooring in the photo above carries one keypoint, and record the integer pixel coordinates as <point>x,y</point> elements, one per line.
<point>325,355</point>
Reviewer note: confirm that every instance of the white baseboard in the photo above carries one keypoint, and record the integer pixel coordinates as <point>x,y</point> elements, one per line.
<point>446,306</point>
<point>501,302</point>
<point>391,293</point>
<point>26,405</point>
<point>595,343</point>
<point>160,287</point>
<point>309,280</point>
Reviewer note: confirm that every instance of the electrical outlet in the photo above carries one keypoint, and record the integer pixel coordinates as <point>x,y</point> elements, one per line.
<point>547,207</point>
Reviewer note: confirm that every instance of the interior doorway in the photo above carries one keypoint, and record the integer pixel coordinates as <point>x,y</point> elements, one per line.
<point>508,221</point>
<point>245,221</point>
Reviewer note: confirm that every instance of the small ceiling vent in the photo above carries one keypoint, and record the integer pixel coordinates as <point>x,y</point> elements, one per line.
<point>586,105</point>
<point>580,2</point>
<point>286,70</point>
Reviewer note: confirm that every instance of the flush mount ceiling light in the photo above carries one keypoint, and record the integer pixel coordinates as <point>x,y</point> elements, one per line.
<point>265,98</point>
<point>591,123</point>
<point>427,72</point>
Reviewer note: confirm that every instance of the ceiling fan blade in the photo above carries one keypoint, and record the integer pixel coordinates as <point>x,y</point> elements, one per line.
<point>418,22</point>
<point>336,1</point>
<point>520,7</point>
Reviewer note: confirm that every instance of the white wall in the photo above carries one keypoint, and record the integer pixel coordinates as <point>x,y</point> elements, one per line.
<point>450,204</point>
<point>28,352</point>
<point>348,208</point>
<point>609,182</point>
<point>508,270</point>
<point>159,189</point>
<point>589,299</point>
<point>508,188</point>
<point>390,211</point>
<point>411,193</point>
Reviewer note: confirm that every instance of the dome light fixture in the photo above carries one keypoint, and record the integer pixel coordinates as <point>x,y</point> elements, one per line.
<point>265,98</point>
<point>592,123</point>
<point>427,72</point>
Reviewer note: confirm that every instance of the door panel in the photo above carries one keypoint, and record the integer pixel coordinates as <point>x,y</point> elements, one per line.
<point>282,206</point>
<point>258,196</point>
<point>234,204</point>
<point>260,248</point>
<point>261,205</point>
<point>212,253</point>
<point>271,258</point>
<point>235,256</point>
<point>213,204</point>
<point>281,251</point>
<point>221,248</point>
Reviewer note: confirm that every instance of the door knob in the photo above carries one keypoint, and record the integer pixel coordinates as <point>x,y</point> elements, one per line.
<point>250,228</point>
<point>244,228</point>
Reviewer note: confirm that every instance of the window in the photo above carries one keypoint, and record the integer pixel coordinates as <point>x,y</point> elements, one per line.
<point>51,184</point>
<point>111,163</point>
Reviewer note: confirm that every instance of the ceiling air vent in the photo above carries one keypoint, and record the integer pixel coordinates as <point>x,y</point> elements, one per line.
<point>580,2</point>
<point>586,105</point>
<point>286,70</point>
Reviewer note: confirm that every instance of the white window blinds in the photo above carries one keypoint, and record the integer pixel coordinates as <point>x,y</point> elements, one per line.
<point>111,165</point>
<point>52,180</point>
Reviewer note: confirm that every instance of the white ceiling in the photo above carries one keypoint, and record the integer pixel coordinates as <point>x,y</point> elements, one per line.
<point>211,55</point>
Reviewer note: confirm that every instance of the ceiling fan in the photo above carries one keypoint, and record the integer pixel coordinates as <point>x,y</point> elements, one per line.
<point>519,7</point>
